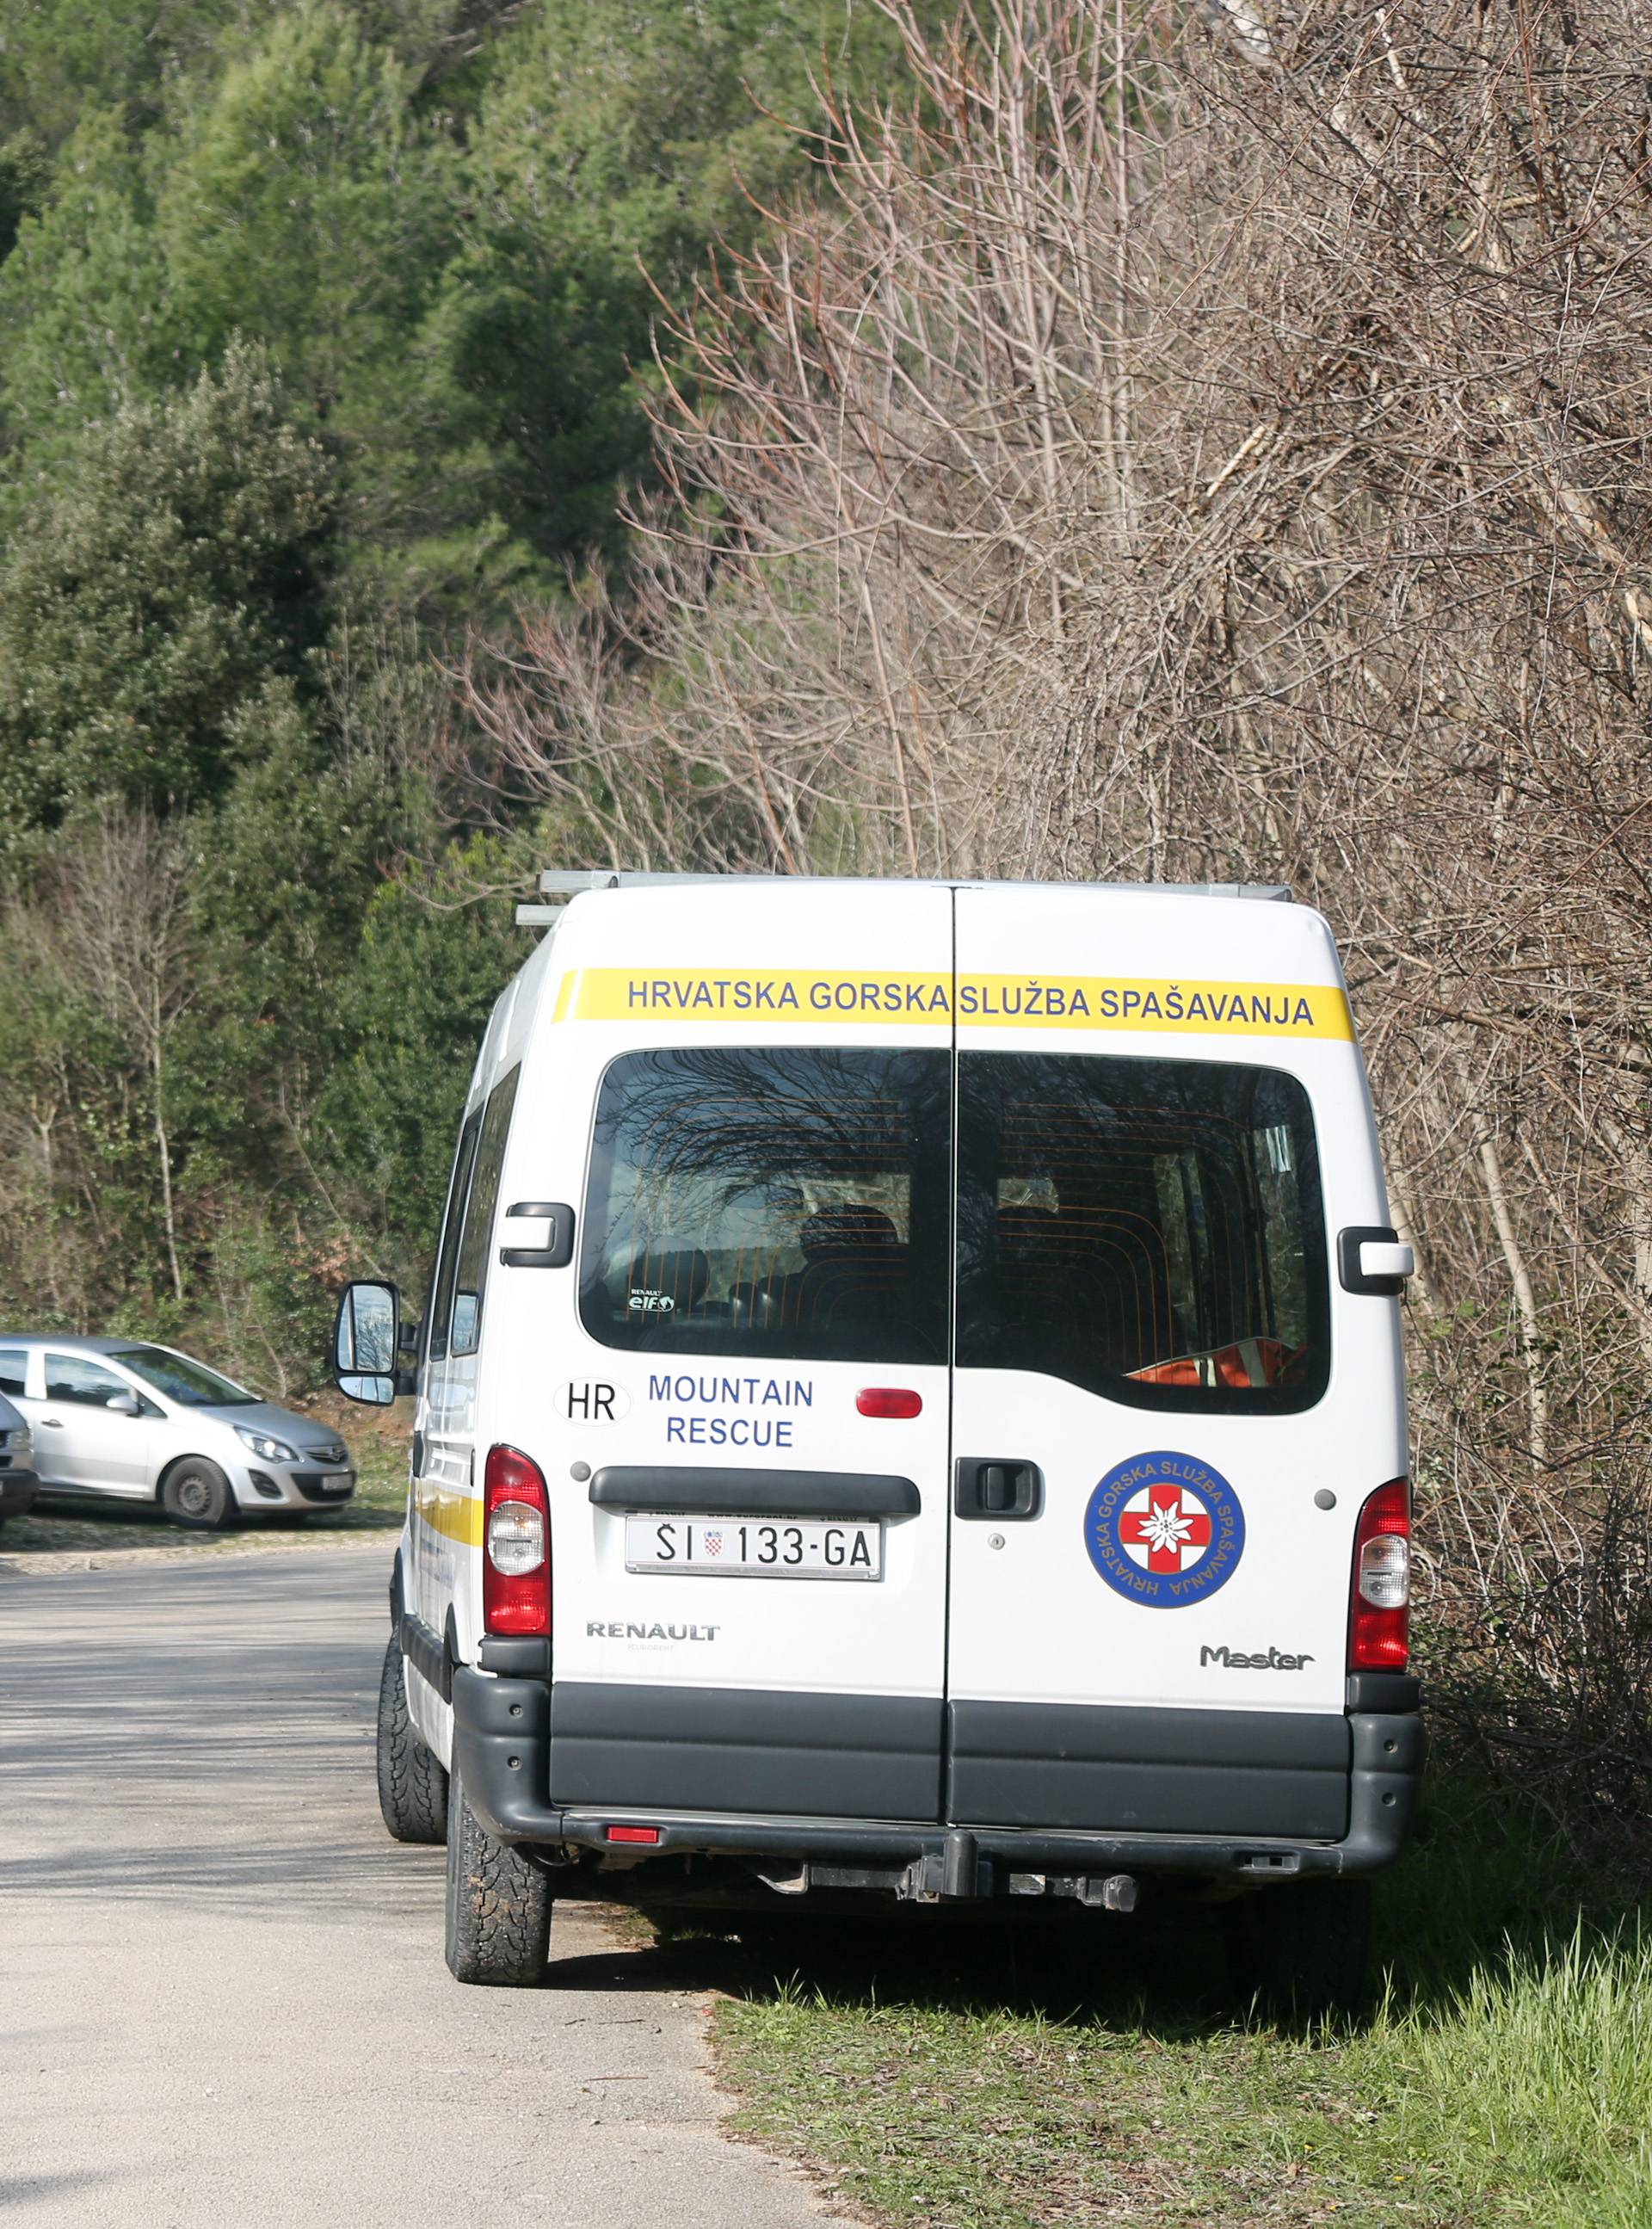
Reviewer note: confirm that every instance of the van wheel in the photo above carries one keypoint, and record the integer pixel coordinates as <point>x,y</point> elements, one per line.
<point>196,1496</point>
<point>412,1787</point>
<point>1300,1952</point>
<point>498,1905</point>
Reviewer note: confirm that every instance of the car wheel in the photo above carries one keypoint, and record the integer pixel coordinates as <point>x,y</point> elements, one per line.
<point>412,1787</point>
<point>498,1905</point>
<point>196,1496</point>
<point>1301,1951</point>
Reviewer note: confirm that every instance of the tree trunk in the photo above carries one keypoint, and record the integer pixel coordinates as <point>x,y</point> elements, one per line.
<point>165,1150</point>
<point>1525,1297</point>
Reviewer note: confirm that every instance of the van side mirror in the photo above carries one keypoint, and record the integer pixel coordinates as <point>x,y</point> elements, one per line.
<point>366,1340</point>
<point>124,1405</point>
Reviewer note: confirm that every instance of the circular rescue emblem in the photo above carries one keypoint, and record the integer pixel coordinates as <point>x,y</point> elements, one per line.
<point>1164,1530</point>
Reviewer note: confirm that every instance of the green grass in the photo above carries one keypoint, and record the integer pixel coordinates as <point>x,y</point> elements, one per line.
<point>988,2081</point>
<point>378,1442</point>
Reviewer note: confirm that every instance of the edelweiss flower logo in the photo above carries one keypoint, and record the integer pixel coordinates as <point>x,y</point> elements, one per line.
<point>1161,1532</point>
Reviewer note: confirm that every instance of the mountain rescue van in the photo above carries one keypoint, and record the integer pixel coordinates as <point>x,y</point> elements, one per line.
<point>910,1410</point>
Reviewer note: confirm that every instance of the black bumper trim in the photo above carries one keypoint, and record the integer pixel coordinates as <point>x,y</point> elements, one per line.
<point>319,1487</point>
<point>770,1750</point>
<point>524,1656</point>
<point>1384,1690</point>
<point>425,1651</point>
<point>705,1492</point>
<point>1148,1768</point>
<point>502,1747</point>
<point>18,1491</point>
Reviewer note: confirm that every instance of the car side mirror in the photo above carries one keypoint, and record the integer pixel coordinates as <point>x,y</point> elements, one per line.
<point>367,1340</point>
<point>124,1405</point>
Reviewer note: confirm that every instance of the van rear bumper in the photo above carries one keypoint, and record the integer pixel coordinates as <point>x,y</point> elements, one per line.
<point>502,1748</point>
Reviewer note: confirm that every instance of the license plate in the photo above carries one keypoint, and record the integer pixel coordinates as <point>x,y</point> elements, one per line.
<point>753,1548</point>
<point>335,1485</point>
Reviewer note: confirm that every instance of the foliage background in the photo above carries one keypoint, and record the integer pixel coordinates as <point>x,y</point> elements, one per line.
<point>326,336</point>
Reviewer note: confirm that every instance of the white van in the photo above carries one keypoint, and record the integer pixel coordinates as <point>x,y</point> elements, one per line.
<point>910,1408</point>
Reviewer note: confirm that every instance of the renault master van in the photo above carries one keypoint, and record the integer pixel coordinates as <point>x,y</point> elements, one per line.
<point>909,1412</point>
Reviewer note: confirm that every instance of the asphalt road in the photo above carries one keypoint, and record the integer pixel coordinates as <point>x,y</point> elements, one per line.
<point>223,1998</point>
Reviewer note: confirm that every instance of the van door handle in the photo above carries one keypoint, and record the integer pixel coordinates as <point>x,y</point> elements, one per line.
<point>56,1422</point>
<point>1004,1487</point>
<point>557,1251</point>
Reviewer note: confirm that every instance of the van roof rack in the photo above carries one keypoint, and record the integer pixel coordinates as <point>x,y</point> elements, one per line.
<point>560,885</point>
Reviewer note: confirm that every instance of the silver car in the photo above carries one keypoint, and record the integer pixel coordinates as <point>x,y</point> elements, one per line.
<point>18,1483</point>
<point>124,1418</point>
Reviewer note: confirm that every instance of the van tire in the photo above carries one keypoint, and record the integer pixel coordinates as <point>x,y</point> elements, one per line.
<point>195,1494</point>
<point>412,1787</point>
<point>498,1905</point>
<point>1298,1952</point>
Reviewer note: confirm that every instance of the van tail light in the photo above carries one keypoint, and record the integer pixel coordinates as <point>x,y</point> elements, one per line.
<point>1380,1619</point>
<point>516,1544</point>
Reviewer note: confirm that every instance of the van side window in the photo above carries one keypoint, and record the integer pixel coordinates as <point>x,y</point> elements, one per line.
<point>1151,1230</point>
<point>13,1370</point>
<point>787,1202</point>
<point>471,1277</point>
<point>441,1297</point>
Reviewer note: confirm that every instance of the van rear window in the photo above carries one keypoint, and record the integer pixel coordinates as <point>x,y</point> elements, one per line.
<point>791,1202</point>
<point>1151,1230</point>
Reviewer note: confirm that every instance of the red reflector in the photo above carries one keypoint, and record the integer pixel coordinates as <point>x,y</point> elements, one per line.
<point>1380,1615</point>
<point>888,1401</point>
<point>633,1833</point>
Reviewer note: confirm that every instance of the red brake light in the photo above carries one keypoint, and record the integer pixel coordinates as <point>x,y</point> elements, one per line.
<point>1380,1617</point>
<point>633,1833</point>
<point>888,1401</point>
<point>516,1544</point>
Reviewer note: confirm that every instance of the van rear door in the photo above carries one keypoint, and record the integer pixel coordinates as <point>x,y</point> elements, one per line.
<point>750,1557</point>
<point>1158,1456</point>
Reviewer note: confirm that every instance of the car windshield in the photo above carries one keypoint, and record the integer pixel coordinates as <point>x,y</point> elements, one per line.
<point>190,1383</point>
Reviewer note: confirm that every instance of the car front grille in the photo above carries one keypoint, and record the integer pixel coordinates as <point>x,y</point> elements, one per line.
<point>318,1486</point>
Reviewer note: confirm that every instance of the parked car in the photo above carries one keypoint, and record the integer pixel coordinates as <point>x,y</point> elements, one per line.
<point>18,1479</point>
<point>128,1421</point>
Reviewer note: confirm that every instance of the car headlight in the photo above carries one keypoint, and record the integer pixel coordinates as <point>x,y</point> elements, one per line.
<point>21,1443</point>
<point>262,1444</point>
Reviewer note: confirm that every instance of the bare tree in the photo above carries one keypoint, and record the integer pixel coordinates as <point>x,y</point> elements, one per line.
<point>114,930</point>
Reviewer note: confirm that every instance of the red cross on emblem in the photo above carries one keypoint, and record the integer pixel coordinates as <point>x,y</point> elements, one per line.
<point>1175,1533</point>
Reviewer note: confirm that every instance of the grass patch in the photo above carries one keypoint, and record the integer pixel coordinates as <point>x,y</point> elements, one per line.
<point>990,2080</point>
<point>378,1439</point>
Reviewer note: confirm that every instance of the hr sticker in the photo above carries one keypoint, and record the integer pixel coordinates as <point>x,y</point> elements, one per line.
<point>591,1401</point>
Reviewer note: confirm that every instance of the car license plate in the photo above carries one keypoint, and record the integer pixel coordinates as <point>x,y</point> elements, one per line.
<point>753,1548</point>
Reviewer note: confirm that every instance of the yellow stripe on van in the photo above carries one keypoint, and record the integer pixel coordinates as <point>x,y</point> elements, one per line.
<point>1107,1002</point>
<point>446,1509</point>
<point>657,995</point>
<point>1068,1002</point>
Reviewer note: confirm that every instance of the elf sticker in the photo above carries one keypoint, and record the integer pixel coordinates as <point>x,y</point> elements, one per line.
<point>1164,1530</point>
